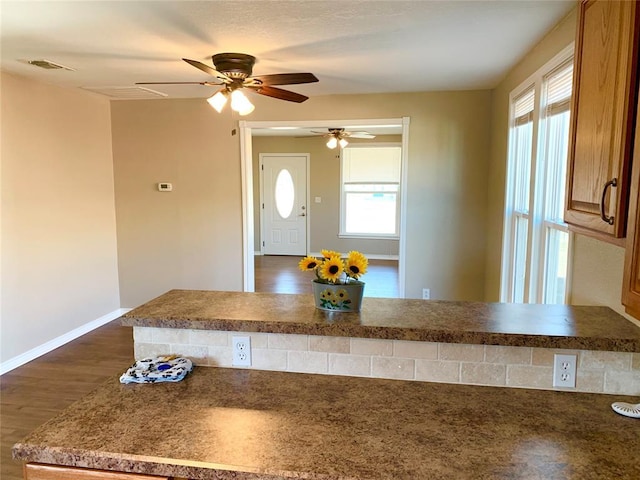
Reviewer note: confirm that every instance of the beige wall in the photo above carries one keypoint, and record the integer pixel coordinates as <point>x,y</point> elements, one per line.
<point>59,267</point>
<point>188,238</point>
<point>324,217</point>
<point>191,238</point>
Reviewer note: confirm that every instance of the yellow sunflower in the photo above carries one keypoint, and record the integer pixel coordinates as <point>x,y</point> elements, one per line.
<point>331,269</point>
<point>342,295</point>
<point>326,295</point>
<point>308,263</point>
<point>330,253</point>
<point>355,265</point>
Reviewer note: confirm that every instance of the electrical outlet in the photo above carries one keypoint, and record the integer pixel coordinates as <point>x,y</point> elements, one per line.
<point>564,370</point>
<point>426,294</point>
<point>241,348</point>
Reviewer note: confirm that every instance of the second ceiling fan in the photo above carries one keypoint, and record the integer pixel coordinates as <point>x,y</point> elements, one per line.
<point>233,71</point>
<point>338,136</point>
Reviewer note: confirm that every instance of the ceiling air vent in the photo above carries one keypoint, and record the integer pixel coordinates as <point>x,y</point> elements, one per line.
<point>127,93</point>
<point>46,64</point>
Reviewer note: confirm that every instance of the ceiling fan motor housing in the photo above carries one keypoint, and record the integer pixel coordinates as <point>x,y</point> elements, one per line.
<point>234,65</point>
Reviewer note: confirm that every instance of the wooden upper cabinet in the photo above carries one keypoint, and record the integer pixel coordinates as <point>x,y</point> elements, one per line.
<point>631,278</point>
<point>602,117</point>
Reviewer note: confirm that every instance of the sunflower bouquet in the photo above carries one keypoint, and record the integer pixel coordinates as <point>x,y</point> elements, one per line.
<point>332,268</point>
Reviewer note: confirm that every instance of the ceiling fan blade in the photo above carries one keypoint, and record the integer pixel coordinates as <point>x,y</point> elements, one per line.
<point>279,93</point>
<point>361,135</point>
<point>285,78</point>
<point>208,69</point>
<point>177,83</point>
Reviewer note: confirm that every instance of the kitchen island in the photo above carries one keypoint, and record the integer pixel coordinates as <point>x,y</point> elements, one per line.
<point>506,324</point>
<point>257,425</point>
<point>496,344</point>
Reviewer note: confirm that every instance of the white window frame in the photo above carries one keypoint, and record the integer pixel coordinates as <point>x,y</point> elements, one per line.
<point>343,214</point>
<point>534,281</point>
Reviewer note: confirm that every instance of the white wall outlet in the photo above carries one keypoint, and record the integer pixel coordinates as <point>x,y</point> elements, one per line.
<point>564,370</point>
<point>241,348</point>
<point>426,293</point>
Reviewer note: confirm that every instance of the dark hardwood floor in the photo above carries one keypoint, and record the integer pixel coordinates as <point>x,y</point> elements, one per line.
<point>280,274</point>
<point>37,391</point>
<point>34,393</point>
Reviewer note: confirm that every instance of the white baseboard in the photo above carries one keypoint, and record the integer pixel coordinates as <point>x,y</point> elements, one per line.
<point>373,256</point>
<point>383,257</point>
<point>38,351</point>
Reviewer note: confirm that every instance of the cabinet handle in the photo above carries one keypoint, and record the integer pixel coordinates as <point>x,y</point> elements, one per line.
<point>611,183</point>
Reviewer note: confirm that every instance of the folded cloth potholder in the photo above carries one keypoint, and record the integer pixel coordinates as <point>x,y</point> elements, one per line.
<point>168,368</point>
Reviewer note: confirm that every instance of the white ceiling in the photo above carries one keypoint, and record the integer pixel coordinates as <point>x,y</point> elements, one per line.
<point>352,46</point>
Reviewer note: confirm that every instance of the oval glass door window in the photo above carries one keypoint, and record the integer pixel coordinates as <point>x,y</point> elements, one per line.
<point>285,193</point>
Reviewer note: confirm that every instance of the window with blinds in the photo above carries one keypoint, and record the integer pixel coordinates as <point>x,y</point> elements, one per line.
<point>523,107</point>
<point>558,85</point>
<point>536,239</point>
<point>370,189</point>
<point>554,245</point>
<point>521,147</point>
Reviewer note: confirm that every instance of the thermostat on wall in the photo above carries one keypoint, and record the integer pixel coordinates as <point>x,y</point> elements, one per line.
<point>165,187</point>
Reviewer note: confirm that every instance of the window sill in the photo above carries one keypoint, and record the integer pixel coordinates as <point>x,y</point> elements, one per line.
<point>369,237</point>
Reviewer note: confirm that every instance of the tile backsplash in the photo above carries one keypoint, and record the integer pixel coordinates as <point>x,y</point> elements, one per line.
<point>518,367</point>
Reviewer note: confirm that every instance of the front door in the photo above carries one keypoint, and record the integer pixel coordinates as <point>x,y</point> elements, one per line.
<point>284,208</point>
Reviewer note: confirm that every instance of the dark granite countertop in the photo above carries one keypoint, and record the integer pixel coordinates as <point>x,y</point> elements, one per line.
<point>546,326</point>
<point>249,424</point>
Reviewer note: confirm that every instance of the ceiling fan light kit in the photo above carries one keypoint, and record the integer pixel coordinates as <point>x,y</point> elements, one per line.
<point>335,141</point>
<point>240,103</point>
<point>218,100</point>
<point>337,136</point>
<point>233,71</point>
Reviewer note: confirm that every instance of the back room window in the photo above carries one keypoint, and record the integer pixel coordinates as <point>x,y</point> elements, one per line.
<point>370,191</point>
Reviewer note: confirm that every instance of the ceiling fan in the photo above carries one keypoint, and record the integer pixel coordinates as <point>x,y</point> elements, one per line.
<point>338,136</point>
<point>233,72</point>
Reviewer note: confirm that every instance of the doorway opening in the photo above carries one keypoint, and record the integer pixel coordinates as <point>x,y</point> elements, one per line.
<point>390,269</point>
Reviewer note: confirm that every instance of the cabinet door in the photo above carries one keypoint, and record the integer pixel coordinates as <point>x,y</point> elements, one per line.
<point>631,282</point>
<point>603,105</point>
